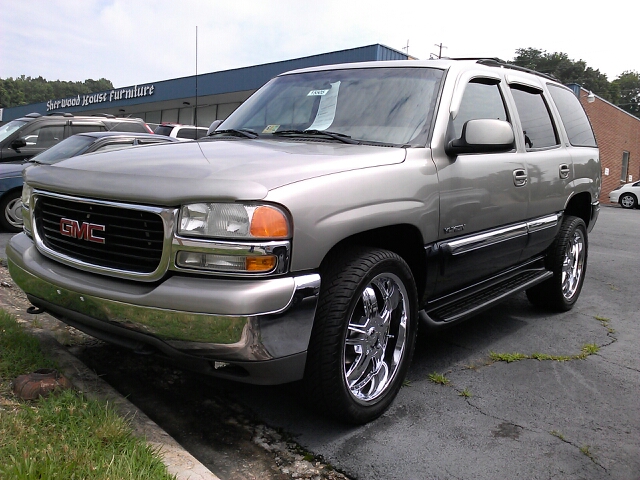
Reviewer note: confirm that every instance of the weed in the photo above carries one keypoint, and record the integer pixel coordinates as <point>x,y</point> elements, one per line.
<point>557,434</point>
<point>439,378</point>
<point>587,349</point>
<point>507,357</point>
<point>546,356</point>
<point>406,383</point>
<point>465,393</point>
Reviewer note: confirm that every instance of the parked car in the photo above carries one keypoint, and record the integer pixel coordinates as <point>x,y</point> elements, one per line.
<point>182,132</point>
<point>626,195</point>
<point>25,137</point>
<point>11,173</point>
<point>307,236</point>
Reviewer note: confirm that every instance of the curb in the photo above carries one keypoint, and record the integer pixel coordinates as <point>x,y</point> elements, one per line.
<point>179,462</point>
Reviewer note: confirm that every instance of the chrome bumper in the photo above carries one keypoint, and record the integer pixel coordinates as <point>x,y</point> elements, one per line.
<point>222,321</point>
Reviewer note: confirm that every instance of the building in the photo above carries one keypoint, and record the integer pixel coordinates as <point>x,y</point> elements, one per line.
<point>618,136</point>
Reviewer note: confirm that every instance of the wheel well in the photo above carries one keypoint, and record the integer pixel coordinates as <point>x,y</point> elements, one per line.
<point>580,206</point>
<point>404,240</point>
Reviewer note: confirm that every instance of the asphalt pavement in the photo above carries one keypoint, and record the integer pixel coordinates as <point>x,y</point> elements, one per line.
<point>529,418</point>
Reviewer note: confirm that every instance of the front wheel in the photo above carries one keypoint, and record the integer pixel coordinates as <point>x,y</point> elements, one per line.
<point>363,335</point>
<point>628,200</point>
<point>11,208</point>
<point>567,259</point>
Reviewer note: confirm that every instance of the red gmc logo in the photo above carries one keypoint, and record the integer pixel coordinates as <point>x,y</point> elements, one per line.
<point>86,231</point>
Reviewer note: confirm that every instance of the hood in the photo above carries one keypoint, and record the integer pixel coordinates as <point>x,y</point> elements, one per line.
<point>10,170</point>
<point>222,169</point>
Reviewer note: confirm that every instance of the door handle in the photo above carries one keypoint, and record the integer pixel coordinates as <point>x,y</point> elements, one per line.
<point>564,170</point>
<point>519,177</point>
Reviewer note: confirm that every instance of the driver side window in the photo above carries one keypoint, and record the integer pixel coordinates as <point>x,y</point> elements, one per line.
<point>481,99</point>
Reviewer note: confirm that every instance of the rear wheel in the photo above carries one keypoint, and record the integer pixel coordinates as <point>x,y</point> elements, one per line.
<point>363,335</point>
<point>628,200</point>
<point>11,208</point>
<point>567,259</point>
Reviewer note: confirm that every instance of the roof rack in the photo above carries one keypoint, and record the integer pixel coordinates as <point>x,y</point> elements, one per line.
<point>496,62</point>
<point>60,114</point>
<point>104,115</point>
<point>33,115</point>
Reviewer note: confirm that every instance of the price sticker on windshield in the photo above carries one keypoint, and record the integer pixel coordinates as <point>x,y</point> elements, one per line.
<point>270,128</point>
<point>317,93</point>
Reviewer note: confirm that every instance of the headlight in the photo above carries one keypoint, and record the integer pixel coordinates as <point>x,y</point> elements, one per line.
<point>233,220</point>
<point>27,191</point>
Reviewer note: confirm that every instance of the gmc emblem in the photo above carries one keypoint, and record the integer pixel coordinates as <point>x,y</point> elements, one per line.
<point>86,231</point>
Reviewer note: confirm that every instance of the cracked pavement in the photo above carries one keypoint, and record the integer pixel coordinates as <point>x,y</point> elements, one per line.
<point>530,418</point>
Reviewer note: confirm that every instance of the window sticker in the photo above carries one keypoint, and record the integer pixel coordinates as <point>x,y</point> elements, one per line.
<point>270,128</point>
<point>316,93</point>
<point>327,108</point>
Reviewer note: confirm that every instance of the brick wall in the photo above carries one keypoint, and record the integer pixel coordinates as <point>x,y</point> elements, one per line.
<point>616,132</point>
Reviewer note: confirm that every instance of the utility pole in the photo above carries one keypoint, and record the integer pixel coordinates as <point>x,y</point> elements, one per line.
<point>195,110</point>
<point>406,49</point>
<point>440,47</point>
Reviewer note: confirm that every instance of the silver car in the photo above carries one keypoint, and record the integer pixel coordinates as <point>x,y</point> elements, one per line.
<point>307,235</point>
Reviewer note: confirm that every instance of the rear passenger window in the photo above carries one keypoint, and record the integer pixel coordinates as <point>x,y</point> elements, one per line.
<point>481,99</point>
<point>189,133</point>
<point>537,126</point>
<point>86,128</point>
<point>573,117</point>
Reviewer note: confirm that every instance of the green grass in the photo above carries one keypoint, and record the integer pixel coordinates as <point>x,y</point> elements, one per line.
<point>439,378</point>
<point>586,350</point>
<point>64,435</point>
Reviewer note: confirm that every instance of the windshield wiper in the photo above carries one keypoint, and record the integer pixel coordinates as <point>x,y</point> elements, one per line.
<point>336,136</point>
<point>240,132</point>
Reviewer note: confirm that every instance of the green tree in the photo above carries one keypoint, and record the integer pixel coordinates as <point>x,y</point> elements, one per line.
<point>627,91</point>
<point>25,90</point>
<point>564,69</point>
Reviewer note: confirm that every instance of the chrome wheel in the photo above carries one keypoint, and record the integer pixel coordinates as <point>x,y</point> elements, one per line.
<point>628,201</point>
<point>13,212</point>
<point>573,264</point>
<point>376,337</point>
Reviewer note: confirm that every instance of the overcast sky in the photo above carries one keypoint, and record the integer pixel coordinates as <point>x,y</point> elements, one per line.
<point>141,41</point>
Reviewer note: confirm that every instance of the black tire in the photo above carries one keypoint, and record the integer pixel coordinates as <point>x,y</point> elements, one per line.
<point>349,281</point>
<point>628,200</point>
<point>11,208</point>
<point>567,259</point>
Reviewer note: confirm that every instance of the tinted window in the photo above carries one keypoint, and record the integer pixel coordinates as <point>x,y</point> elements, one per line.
<point>46,136</point>
<point>574,119</point>
<point>189,133</point>
<point>120,126</point>
<point>480,100</point>
<point>70,147</point>
<point>114,146</point>
<point>86,128</point>
<point>163,130</point>
<point>537,125</point>
<point>7,129</point>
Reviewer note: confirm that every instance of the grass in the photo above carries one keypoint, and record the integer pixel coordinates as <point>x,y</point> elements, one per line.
<point>64,435</point>
<point>586,350</point>
<point>439,378</point>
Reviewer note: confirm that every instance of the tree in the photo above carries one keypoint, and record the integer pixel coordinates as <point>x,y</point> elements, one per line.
<point>627,90</point>
<point>564,69</point>
<point>25,90</point>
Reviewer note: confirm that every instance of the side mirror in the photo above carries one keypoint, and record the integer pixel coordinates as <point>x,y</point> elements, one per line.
<point>483,135</point>
<point>215,124</point>
<point>18,143</point>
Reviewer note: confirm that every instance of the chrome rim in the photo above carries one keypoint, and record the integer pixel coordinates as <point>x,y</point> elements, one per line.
<point>13,212</point>
<point>627,201</point>
<point>376,338</point>
<point>573,265</point>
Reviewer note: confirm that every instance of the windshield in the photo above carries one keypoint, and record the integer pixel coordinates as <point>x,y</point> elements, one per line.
<point>377,105</point>
<point>8,128</point>
<point>67,148</point>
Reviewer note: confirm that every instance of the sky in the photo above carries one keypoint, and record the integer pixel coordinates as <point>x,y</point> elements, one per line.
<point>133,42</point>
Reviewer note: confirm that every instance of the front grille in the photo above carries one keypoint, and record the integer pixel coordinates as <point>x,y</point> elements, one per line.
<point>133,239</point>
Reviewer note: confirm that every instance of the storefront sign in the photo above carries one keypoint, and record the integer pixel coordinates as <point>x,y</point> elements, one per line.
<point>103,97</point>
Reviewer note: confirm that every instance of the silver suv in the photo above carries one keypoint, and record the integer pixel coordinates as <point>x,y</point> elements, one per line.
<point>309,235</point>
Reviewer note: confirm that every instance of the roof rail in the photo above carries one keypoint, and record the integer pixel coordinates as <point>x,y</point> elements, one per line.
<point>60,114</point>
<point>496,62</point>
<point>104,115</point>
<point>33,115</point>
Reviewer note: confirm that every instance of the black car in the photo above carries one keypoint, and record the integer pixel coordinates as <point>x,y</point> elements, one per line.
<point>24,137</point>
<point>11,173</point>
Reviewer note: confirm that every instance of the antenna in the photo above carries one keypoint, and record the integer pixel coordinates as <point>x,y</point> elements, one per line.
<point>195,110</point>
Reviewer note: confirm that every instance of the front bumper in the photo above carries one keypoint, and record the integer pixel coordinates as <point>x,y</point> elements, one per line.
<point>254,330</point>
